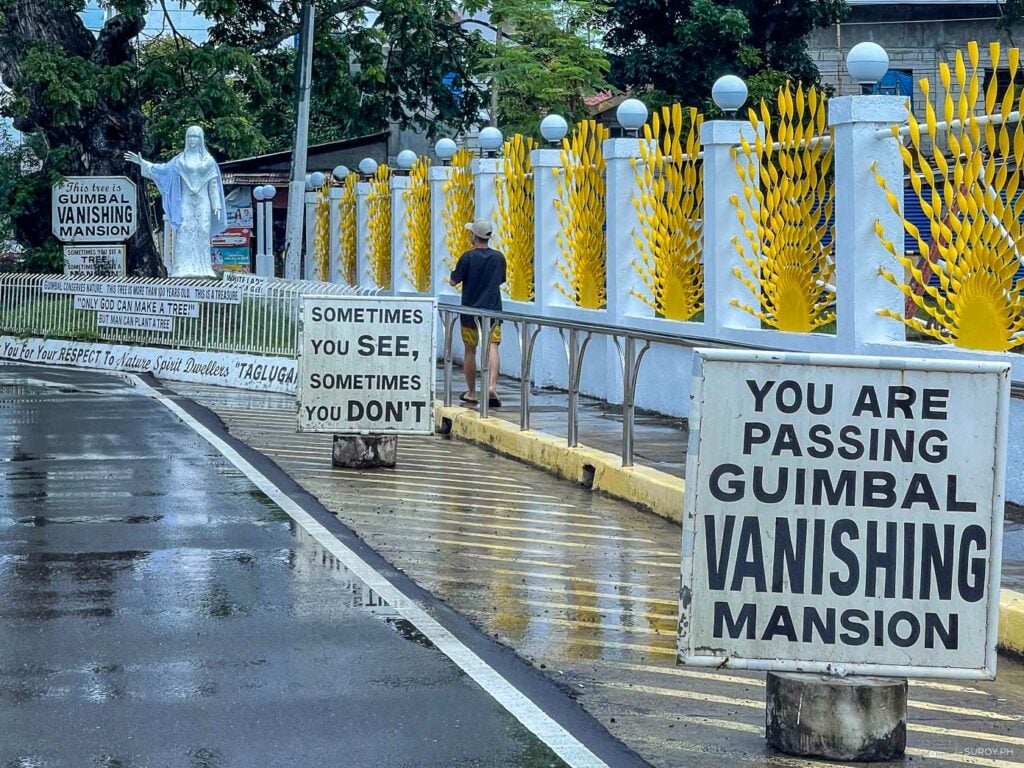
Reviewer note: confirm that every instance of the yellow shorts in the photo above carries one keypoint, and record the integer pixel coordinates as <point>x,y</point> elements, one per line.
<point>471,335</point>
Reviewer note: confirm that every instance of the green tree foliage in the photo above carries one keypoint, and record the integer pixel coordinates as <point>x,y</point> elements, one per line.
<point>374,63</point>
<point>83,100</point>
<point>73,95</point>
<point>543,60</point>
<point>680,47</point>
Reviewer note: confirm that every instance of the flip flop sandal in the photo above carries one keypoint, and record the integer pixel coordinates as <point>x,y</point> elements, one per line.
<point>493,402</point>
<point>464,397</point>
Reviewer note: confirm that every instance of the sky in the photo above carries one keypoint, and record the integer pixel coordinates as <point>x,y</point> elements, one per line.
<point>184,20</point>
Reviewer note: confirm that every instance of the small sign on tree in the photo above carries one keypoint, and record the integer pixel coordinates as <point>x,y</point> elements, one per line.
<point>94,209</point>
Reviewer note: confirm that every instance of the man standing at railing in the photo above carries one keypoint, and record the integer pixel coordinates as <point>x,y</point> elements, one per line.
<point>481,272</point>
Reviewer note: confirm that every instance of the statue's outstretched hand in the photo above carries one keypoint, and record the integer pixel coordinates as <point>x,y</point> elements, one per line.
<point>133,157</point>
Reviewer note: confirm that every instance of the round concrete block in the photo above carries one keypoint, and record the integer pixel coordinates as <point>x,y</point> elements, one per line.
<point>364,451</point>
<point>851,718</point>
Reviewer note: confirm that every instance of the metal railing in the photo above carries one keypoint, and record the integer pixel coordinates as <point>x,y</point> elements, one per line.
<point>632,346</point>
<point>264,321</point>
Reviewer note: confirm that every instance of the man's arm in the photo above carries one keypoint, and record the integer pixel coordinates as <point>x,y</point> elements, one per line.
<point>459,273</point>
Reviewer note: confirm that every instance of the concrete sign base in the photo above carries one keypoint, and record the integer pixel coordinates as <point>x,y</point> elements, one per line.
<point>851,718</point>
<point>364,451</point>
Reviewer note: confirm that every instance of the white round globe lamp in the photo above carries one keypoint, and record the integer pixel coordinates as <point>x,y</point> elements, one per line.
<point>314,181</point>
<point>491,140</point>
<point>631,114</point>
<point>340,172</point>
<point>553,128</point>
<point>729,94</point>
<point>269,191</point>
<point>367,166</point>
<point>867,63</point>
<point>445,150</point>
<point>406,159</point>
<point>257,193</point>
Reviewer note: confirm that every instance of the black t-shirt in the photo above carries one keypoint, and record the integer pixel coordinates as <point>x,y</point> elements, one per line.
<point>481,272</point>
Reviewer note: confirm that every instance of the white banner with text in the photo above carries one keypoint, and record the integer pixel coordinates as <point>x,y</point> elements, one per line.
<point>266,374</point>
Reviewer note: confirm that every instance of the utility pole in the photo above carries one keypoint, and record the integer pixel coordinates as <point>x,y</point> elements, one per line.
<point>297,185</point>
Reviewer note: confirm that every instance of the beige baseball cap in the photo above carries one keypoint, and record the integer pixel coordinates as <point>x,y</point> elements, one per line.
<point>481,228</point>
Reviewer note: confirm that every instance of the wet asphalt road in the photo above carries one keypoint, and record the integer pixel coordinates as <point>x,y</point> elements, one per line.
<point>157,610</point>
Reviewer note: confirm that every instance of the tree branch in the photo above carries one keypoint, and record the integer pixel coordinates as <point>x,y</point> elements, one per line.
<point>113,46</point>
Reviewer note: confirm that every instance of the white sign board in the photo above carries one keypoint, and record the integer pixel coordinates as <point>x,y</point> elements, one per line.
<point>255,372</point>
<point>135,322</point>
<point>843,514</point>
<point>161,307</point>
<point>93,209</point>
<point>212,294</point>
<point>94,260</point>
<point>367,365</point>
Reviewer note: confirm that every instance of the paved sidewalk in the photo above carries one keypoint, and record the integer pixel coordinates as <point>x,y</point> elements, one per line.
<point>660,441</point>
<point>586,588</point>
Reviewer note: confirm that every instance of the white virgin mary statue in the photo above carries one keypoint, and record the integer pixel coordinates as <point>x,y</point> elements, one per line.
<point>193,196</point>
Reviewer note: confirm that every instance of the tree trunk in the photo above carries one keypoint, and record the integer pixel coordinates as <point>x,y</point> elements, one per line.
<point>91,142</point>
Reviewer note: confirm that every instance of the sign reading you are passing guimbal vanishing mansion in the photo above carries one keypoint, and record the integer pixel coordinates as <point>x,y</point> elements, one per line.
<point>93,216</point>
<point>844,514</point>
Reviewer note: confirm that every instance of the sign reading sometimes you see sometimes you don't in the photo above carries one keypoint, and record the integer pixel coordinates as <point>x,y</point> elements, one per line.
<point>843,514</point>
<point>366,365</point>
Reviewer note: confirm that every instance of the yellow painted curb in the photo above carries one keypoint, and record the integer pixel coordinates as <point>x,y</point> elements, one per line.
<point>657,491</point>
<point>1011,621</point>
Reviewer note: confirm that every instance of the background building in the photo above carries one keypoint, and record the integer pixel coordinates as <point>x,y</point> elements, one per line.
<point>918,36</point>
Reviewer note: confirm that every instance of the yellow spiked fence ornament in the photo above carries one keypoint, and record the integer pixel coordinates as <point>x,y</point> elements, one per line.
<point>787,242</point>
<point>513,216</point>
<point>347,230</point>
<point>378,204</point>
<point>971,195</point>
<point>417,226</point>
<point>322,233</point>
<point>580,207</point>
<point>669,204</point>
<point>459,208</point>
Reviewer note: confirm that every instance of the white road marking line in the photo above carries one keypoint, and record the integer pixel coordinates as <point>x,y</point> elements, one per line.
<point>953,757</point>
<point>492,523</point>
<point>533,718</point>
<point>562,525</point>
<point>552,538</point>
<point>322,465</point>
<point>720,677</point>
<point>925,705</point>
<point>584,580</point>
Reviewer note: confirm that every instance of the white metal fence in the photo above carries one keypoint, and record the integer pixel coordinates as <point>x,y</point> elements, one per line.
<point>264,322</point>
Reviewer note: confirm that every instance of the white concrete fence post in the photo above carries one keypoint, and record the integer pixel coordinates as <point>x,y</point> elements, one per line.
<point>399,282</point>
<point>363,278</point>
<point>334,260</point>
<point>485,174</point>
<point>862,143</point>
<point>623,228</point>
<point>309,236</point>
<point>621,231</point>
<point>549,359</point>
<point>439,256</point>
<point>721,224</point>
